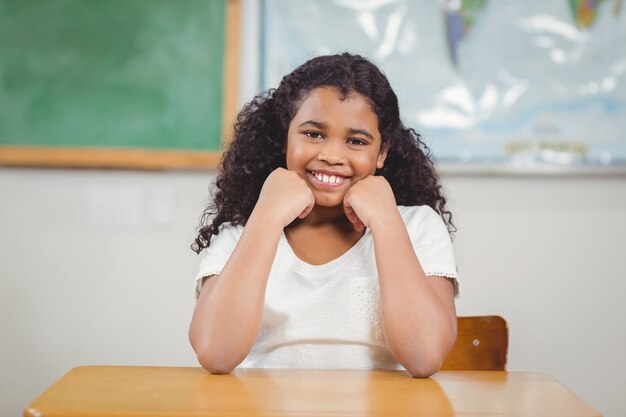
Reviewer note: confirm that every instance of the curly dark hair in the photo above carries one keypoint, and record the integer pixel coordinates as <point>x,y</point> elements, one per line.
<point>260,134</point>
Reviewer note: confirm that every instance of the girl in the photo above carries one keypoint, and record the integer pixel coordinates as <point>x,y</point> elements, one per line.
<point>327,245</point>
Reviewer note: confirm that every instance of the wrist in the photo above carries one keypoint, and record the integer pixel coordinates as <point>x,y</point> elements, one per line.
<point>265,219</point>
<point>387,222</point>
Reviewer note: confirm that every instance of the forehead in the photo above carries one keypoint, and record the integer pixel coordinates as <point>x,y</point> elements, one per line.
<point>329,104</point>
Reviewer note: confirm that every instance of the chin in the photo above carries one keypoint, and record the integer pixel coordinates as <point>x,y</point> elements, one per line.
<point>327,202</point>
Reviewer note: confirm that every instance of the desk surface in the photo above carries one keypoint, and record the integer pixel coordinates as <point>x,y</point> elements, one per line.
<point>160,391</point>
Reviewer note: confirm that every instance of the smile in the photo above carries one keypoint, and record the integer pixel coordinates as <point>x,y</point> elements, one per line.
<point>330,179</point>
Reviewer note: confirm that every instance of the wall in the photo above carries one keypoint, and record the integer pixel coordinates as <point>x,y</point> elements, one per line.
<point>95,269</point>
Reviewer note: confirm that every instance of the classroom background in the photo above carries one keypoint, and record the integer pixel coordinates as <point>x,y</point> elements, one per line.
<point>96,266</point>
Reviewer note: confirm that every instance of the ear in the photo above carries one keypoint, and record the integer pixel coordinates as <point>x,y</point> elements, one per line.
<point>382,155</point>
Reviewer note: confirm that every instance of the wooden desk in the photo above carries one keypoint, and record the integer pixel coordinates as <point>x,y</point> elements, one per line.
<point>156,391</point>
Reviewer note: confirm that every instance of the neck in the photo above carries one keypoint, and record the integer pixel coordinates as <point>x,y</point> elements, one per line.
<point>320,216</point>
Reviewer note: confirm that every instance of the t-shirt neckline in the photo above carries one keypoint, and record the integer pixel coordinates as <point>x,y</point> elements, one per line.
<point>341,260</point>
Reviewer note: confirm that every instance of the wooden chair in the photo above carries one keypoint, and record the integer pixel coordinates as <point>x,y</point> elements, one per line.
<point>481,345</point>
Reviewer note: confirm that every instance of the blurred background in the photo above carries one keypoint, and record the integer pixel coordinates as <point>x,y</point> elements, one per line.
<point>95,265</point>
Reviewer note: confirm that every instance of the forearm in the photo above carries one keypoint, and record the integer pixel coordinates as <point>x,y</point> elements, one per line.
<point>419,320</point>
<point>228,313</point>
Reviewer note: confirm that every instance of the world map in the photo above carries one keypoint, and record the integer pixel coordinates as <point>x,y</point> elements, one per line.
<point>521,82</point>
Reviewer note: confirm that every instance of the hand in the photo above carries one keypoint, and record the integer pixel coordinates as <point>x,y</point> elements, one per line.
<point>284,197</point>
<point>368,199</point>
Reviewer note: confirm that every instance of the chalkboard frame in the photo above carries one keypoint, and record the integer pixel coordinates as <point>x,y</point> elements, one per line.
<point>140,158</point>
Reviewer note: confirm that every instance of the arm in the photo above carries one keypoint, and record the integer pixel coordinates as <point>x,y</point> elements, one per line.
<point>418,313</point>
<point>228,313</point>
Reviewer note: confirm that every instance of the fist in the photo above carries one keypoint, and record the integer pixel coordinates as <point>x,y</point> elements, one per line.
<point>284,197</point>
<point>368,200</point>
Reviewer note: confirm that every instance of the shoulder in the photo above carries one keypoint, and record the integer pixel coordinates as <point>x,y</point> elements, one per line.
<point>215,256</point>
<point>227,237</point>
<point>419,214</point>
<point>423,221</point>
<point>228,229</point>
<point>431,241</point>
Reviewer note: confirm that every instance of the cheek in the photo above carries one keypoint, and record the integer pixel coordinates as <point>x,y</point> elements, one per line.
<point>294,156</point>
<point>366,164</point>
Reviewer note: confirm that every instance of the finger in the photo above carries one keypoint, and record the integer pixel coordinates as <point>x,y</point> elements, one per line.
<point>305,212</point>
<point>308,208</point>
<point>350,214</point>
<point>354,219</point>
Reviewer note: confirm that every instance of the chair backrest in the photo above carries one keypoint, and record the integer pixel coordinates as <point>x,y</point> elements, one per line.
<point>481,345</point>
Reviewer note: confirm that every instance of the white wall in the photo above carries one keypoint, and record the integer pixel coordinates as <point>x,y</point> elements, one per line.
<point>79,287</point>
<point>95,268</point>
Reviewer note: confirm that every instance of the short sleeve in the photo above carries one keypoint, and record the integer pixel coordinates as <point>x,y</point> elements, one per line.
<point>431,242</point>
<point>217,254</point>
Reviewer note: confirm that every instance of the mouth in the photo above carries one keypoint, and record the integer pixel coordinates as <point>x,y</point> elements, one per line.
<point>328,179</point>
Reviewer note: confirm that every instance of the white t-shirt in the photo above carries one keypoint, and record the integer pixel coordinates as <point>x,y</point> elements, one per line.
<point>328,316</point>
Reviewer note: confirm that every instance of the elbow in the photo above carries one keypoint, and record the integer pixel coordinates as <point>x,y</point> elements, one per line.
<point>424,369</point>
<point>211,358</point>
<point>215,367</point>
<point>428,361</point>
<point>214,361</point>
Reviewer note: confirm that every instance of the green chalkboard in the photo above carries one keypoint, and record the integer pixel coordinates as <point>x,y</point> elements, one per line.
<point>141,74</point>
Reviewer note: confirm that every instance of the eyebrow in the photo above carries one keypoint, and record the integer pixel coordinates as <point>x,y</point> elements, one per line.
<point>352,131</point>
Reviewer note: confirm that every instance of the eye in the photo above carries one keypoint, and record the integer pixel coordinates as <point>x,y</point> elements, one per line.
<point>313,134</point>
<point>356,142</point>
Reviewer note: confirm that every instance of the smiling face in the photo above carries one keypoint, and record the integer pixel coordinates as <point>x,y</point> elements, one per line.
<point>333,143</point>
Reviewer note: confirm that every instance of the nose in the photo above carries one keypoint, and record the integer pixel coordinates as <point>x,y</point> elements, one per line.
<point>332,152</point>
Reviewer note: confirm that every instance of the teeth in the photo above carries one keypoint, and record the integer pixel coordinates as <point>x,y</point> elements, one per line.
<point>328,179</point>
